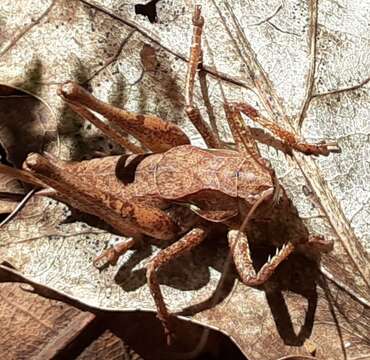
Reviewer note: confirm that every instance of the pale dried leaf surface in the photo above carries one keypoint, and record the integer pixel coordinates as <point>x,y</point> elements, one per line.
<point>140,66</point>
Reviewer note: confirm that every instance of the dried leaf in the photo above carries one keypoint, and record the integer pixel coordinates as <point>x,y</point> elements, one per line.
<point>11,190</point>
<point>126,60</point>
<point>26,121</point>
<point>108,346</point>
<point>37,321</point>
<point>27,124</point>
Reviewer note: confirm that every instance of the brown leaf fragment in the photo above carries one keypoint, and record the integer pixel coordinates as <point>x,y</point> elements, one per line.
<point>75,328</point>
<point>11,192</point>
<point>148,58</point>
<point>137,331</point>
<point>108,346</point>
<point>10,185</point>
<point>30,324</point>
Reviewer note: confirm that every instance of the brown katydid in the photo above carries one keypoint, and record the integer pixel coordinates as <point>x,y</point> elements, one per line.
<point>206,186</point>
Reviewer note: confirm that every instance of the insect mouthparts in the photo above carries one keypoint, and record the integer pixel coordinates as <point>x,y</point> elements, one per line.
<point>33,160</point>
<point>68,90</point>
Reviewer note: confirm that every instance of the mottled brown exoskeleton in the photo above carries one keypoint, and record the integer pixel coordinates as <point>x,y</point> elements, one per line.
<point>144,193</point>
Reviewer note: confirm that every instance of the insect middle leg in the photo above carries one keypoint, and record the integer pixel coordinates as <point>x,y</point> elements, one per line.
<point>112,254</point>
<point>246,144</point>
<point>187,242</point>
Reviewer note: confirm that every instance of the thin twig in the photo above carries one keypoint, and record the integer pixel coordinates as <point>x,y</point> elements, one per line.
<point>18,208</point>
<point>344,287</point>
<point>269,17</point>
<point>113,58</point>
<point>281,30</point>
<point>360,357</point>
<point>312,67</point>
<point>263,86</point>
<point>61,234</point>
<point>339,91</point>
<point>268,21</point>
<point>27,28</point>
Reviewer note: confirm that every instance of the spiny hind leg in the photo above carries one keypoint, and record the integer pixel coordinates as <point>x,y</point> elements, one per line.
<point>316,245</point>
<point>126,216</point>
<point>154,133</point>
<point>117,136</point>
<point>239,246</point>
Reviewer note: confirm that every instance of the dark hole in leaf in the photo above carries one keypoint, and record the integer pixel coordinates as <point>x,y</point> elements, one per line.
<point>149,10</point>
<point>143,333</point>
<point>3,159</point>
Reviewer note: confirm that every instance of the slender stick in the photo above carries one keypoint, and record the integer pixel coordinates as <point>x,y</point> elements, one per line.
<point>312,69</point>
<point>18,208</point>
